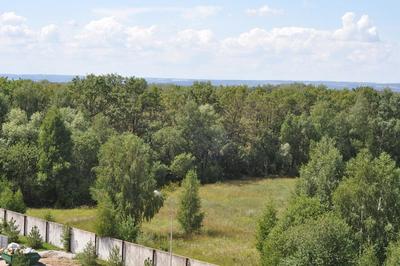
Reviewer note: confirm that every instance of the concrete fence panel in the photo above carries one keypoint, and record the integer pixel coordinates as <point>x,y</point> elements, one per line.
<point>19,220</point>
<point>136,255</point>
<point>2,214</point>
<point>39,223</point>
<point>105,245</point>
<point>54,234</point>
<point>163,258</point>
<point>79,239</point>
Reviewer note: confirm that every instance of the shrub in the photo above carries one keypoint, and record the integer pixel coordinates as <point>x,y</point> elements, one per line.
<point>189,214</point>
<point>105,222</point>
<point>88,257</point>
<point>127,229</point>
<point>20,260</point>
<point>265,225</point>
<point>114,258</point>
<point>10,229</point>
<point>49,217</point>
<point>148,262</point>
<point>12,201</point>
<point>34,239</point>
<point>66,237</point>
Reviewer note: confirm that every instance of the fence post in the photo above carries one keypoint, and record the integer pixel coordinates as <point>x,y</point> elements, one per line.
<point>25,229</point>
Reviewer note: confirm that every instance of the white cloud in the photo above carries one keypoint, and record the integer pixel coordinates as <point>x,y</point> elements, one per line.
<point>49,33</point>
<point>264,10</point>
<point>361,30</point>
<point>108,32</point>
<point>11,18</point>
<point>196,12</point>
<point>200,12</point>
<point>195,37</point>
<point>116,44</point>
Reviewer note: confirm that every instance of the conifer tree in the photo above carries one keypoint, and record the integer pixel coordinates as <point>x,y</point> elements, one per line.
<point>190,215</point>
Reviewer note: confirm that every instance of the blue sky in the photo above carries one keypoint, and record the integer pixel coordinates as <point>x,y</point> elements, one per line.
<point>288,40</point>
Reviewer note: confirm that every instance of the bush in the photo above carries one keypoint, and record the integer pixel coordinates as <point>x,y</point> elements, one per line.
<point>148,262</point>
<point>181,164</point>
<point>114,258</point>
<point>66,237</point>
<point>20,260</point>
<point>34,239</point>
<point>10,229</point>
<point>127,229</point>
<point>12,201</point>
<point>88,257</point>
<point>49,217</point>
<point>265,225</point>
<point>105,220</point>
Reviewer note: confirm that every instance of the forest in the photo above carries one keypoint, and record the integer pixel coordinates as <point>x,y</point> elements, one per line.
<point>100,138</point>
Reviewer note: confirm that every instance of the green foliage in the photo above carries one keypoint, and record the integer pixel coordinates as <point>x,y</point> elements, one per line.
<point>393,254</point>
<point>11,230</point>
<point>190,215</point>
<point>125,178</point>
<point>181,164</point>
<point>114,258</point>
<point>55,149</point>
<point>10,200</point>
<point>148,262</point>
<point>66,237</point>
<point>34,239</point>
<point>88,257</point>
<point>321,175</point>
<point>368,257</point>
<point>48,216</point>
<point>265,225</point>
<point>367,198</point>
<point>106,218</point>
<point>322,240</point>
<point>19,259</point>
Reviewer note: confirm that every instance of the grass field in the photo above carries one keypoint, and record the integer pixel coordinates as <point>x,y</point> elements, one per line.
<point>228,236</point>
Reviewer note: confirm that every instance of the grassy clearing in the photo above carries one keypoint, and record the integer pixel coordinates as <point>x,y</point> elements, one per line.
<point>228,237</point>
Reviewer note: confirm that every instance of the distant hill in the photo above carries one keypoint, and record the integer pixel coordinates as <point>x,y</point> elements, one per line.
<point>217,82</point>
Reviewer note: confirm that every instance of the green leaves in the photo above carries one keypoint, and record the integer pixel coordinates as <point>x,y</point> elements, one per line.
<point>190,215</point>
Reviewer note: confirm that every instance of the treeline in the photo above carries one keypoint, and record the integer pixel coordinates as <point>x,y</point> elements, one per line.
<point>52,134</point>
<point>343,213</point>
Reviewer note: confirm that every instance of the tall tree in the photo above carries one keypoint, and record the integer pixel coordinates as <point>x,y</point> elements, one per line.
<point>125,178</point>
<point>190,215</point>
<point>55,156</point>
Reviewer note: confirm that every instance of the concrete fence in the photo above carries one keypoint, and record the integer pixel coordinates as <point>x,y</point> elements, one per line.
<point>132,254</point>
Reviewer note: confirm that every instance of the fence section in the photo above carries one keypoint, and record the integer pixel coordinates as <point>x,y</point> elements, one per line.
<point>136,254</point>
<point>132,254</point>
<point>163,258</point>
<point>106,244</point>
<point>19,220</point>
<point>79,239</point>
<point>39,223</point>
<point>54,234</point>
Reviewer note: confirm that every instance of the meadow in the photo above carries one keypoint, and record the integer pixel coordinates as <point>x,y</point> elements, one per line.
<point>228,236</point>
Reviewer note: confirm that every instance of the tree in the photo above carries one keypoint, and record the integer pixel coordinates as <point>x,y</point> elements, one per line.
<point>55,156</point>
<point>266,223</point>
<point>11,200</point>
<point>368,199</point>
<point>368,257</point>
<point>323,240</point>
<point>190,215</point>
<point>321,175</point>
<point>181,164</point>
<point>393,254</point>
<point>202,133</point>
<point>125,178</point>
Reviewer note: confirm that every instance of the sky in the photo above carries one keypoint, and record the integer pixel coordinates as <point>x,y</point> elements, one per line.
<point>341,40</point>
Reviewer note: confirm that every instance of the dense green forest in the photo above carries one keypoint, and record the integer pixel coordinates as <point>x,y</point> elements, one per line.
<point>73,144</point>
